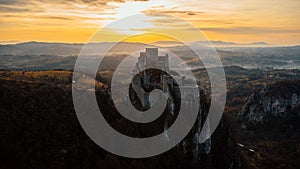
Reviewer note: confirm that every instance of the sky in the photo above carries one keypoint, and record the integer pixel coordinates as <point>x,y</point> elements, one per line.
<point>75,21</point>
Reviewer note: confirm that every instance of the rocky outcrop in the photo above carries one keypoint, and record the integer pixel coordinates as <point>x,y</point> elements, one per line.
<point>266,134</point>
<point>275,100</point>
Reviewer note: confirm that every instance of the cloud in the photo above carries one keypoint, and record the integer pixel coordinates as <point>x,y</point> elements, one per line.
<point>158,12</point>
<point>55,14</point>
<point>9,2</point>
<point>14,5</point>
<point>13,9</point>
<point>30,11</point>
<point>93,2</point>
<point>55,17</point>
<point>249,30</point>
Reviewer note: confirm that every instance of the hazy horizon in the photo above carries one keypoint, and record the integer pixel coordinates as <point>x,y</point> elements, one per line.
<point>161,43</point>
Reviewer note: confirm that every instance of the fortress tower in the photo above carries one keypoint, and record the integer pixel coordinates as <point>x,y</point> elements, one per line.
<point>150,58</point>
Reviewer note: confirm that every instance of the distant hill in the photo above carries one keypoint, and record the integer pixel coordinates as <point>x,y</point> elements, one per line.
<point>233,44</point>
<point>167,43</point>
<point>73,49</point>
<point>45,56</point>
<point>214,43</point>
<point>66,49</point>
<point>41,48</point>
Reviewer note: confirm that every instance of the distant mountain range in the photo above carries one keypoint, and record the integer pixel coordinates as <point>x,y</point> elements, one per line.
<point>167,43</point>
<point>72,49</point>
<point>45,56</point>
<point>214,43</point>
<point>233,44</point>
<point>68,49</point>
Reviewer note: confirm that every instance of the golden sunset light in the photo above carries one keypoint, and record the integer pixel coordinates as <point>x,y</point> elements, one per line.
<point>275,22</point>
<point>150,84</point>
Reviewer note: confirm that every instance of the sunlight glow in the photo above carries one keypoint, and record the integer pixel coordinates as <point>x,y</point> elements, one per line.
<point>75,21</point>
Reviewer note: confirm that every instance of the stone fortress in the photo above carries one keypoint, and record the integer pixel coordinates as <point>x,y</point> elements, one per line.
<point>149,79</point>
<point>153,72</point>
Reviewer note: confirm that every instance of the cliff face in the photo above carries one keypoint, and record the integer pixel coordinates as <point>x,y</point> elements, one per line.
<point>267,132</point>
<point>275,100</point>
<point>39,129</point>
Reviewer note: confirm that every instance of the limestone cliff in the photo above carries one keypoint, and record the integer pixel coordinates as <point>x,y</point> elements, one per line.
<point>276,100</point>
